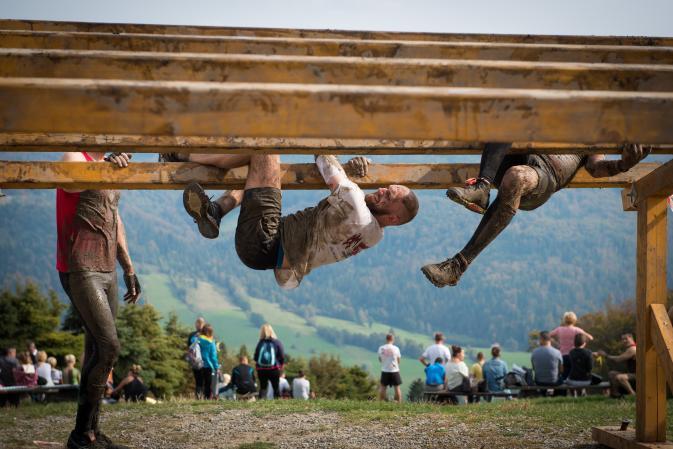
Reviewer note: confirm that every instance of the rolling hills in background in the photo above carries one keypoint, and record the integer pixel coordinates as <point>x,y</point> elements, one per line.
<point>572,254</point>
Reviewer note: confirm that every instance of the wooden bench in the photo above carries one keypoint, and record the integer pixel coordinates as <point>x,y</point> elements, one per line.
<point>535,390</point>
<point>514,392</point>
<point>54,392</point>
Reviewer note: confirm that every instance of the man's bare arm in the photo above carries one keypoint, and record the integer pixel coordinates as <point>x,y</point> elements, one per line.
<point>124,259</point>
<point>334,174</point>
<point>632,153</point>
<point>624,356</point>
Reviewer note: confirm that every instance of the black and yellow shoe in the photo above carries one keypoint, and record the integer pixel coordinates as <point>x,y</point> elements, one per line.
<point>206,214</point>
<point>474,196</point>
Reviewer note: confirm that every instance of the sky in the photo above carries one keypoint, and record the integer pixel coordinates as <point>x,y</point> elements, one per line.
<point>588,17</point>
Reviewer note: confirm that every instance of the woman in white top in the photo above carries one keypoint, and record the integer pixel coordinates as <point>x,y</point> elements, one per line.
<point>457,374</point>
<point>43,369</point>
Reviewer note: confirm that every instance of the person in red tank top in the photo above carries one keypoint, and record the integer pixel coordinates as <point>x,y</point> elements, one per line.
<point>90,238</point>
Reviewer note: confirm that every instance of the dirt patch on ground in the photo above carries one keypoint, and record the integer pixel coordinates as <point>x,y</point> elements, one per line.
<point>252,428</point>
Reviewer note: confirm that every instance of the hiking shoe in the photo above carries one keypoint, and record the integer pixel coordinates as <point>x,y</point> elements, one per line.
<point>447,272</point>
<point>204,212</point>
<point>173,157</point>
<point>81,442</point>
<point>474,196</point>
<point>104,439</point>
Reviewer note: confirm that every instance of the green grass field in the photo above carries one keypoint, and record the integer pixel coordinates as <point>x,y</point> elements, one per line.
<point>301,339</point>
<point>533,423</point>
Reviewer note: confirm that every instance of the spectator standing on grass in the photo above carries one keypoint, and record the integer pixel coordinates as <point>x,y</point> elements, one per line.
<point>43,369</point>
<point>435,375</point>
<point>71,375</point>
<point>301,387</point>
<point>582,362</point>
<point>390,357</point>
<point>457,374</point>
<point>495,371</point>
<point>210,363</point>
<point>269,361</point>
<point>193,358</point>
<point>547,362</point>
<point>436,350</point>
<point>25,374</point>
<point>8,363</point>
<point>56,374</point>
<point>565,336</point>
<point>32,352</point>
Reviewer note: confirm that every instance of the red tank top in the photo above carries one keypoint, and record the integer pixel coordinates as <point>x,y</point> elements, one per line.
<point>66,206</point>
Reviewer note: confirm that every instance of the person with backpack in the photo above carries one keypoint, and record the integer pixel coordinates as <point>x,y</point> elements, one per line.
<point>193,356</point>
<point>269,360</point>
<point>208,350</point>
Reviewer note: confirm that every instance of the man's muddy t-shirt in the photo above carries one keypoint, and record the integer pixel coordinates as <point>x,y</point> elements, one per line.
<point>340,226</point>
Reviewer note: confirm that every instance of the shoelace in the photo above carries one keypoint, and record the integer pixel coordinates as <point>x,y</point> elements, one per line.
<point>471,181</point>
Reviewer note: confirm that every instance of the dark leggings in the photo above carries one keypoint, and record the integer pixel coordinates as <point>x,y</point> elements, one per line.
<point>207,383</point>
<point>491,159</point>
<point>94,296</point>
<point>265,376</point>
<point>198,382</point>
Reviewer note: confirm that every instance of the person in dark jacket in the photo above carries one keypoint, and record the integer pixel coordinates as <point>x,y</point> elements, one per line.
<point>8,363</point>
<point>242,378</point>
<point>269,360</point>
<point>581,363</point>
<point>193,336</point>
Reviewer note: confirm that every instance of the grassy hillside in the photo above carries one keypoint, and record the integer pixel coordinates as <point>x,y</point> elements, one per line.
<point>233,326</point>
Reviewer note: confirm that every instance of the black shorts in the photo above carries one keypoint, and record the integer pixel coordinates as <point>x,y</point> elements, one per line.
<point>546,185</point>
<point>258,230</point>
<point>390,379</point>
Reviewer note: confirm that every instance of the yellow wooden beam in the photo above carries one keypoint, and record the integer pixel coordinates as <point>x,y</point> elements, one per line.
<point>616,54</point>
<point>39,25</point>
<point>37,105</point>
<point>658,183</point>
<point>47,175</point>
<point>650,289</point>
<point>332,70</point>
<point>662,338</point>
<point>55,142</point>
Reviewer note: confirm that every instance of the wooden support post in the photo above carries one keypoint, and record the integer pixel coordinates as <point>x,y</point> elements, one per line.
<point>615,54</point>
<point>657,183</point>
<point>662,338</point>
<point>333,111</point>
<point>650,289</point>
<point>47,175</point>
<point>40,25</point>
<point>332,70</point>
<point>623,439</point>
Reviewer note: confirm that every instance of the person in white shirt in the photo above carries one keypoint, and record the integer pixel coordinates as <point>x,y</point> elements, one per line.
<point>390,357</point>
<point>44,369</point>
<point>283,388</point>
<point>301,387</point>
<point>457,374</point>
<point>436,351</point>
<point>345,223</point>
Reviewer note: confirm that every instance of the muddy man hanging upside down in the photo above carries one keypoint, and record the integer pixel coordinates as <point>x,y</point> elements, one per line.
<point>340,226</point>
<point>524,182</point>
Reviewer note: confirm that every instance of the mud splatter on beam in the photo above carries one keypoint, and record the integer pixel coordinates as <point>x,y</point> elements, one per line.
<point>47,175</point>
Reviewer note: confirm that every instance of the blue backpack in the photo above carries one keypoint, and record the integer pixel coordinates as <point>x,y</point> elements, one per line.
<point>267,354</point>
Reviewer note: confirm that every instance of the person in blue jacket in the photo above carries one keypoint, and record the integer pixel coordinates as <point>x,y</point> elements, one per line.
<point>210,363</point>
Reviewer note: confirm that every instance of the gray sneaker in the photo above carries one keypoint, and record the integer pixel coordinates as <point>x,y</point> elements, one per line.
<point>202,210</point>
<point>474,196</point>
<point>447,272</point>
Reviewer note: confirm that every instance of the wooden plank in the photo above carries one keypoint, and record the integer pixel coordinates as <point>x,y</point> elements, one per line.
<point>650,289</point>
<point>623,439</point>
<point>615,54</point>
<point>39,25</point>
<point>164,66</point>
<point>657,183</point>
<point>47,175</point>
<point>662,338</point>
<point>36,105</point>
<point>54,142</point>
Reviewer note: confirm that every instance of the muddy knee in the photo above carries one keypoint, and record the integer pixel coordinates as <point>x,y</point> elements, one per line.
<point>264,171</point>
<point>514,179</point>
<point>109,351</point>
